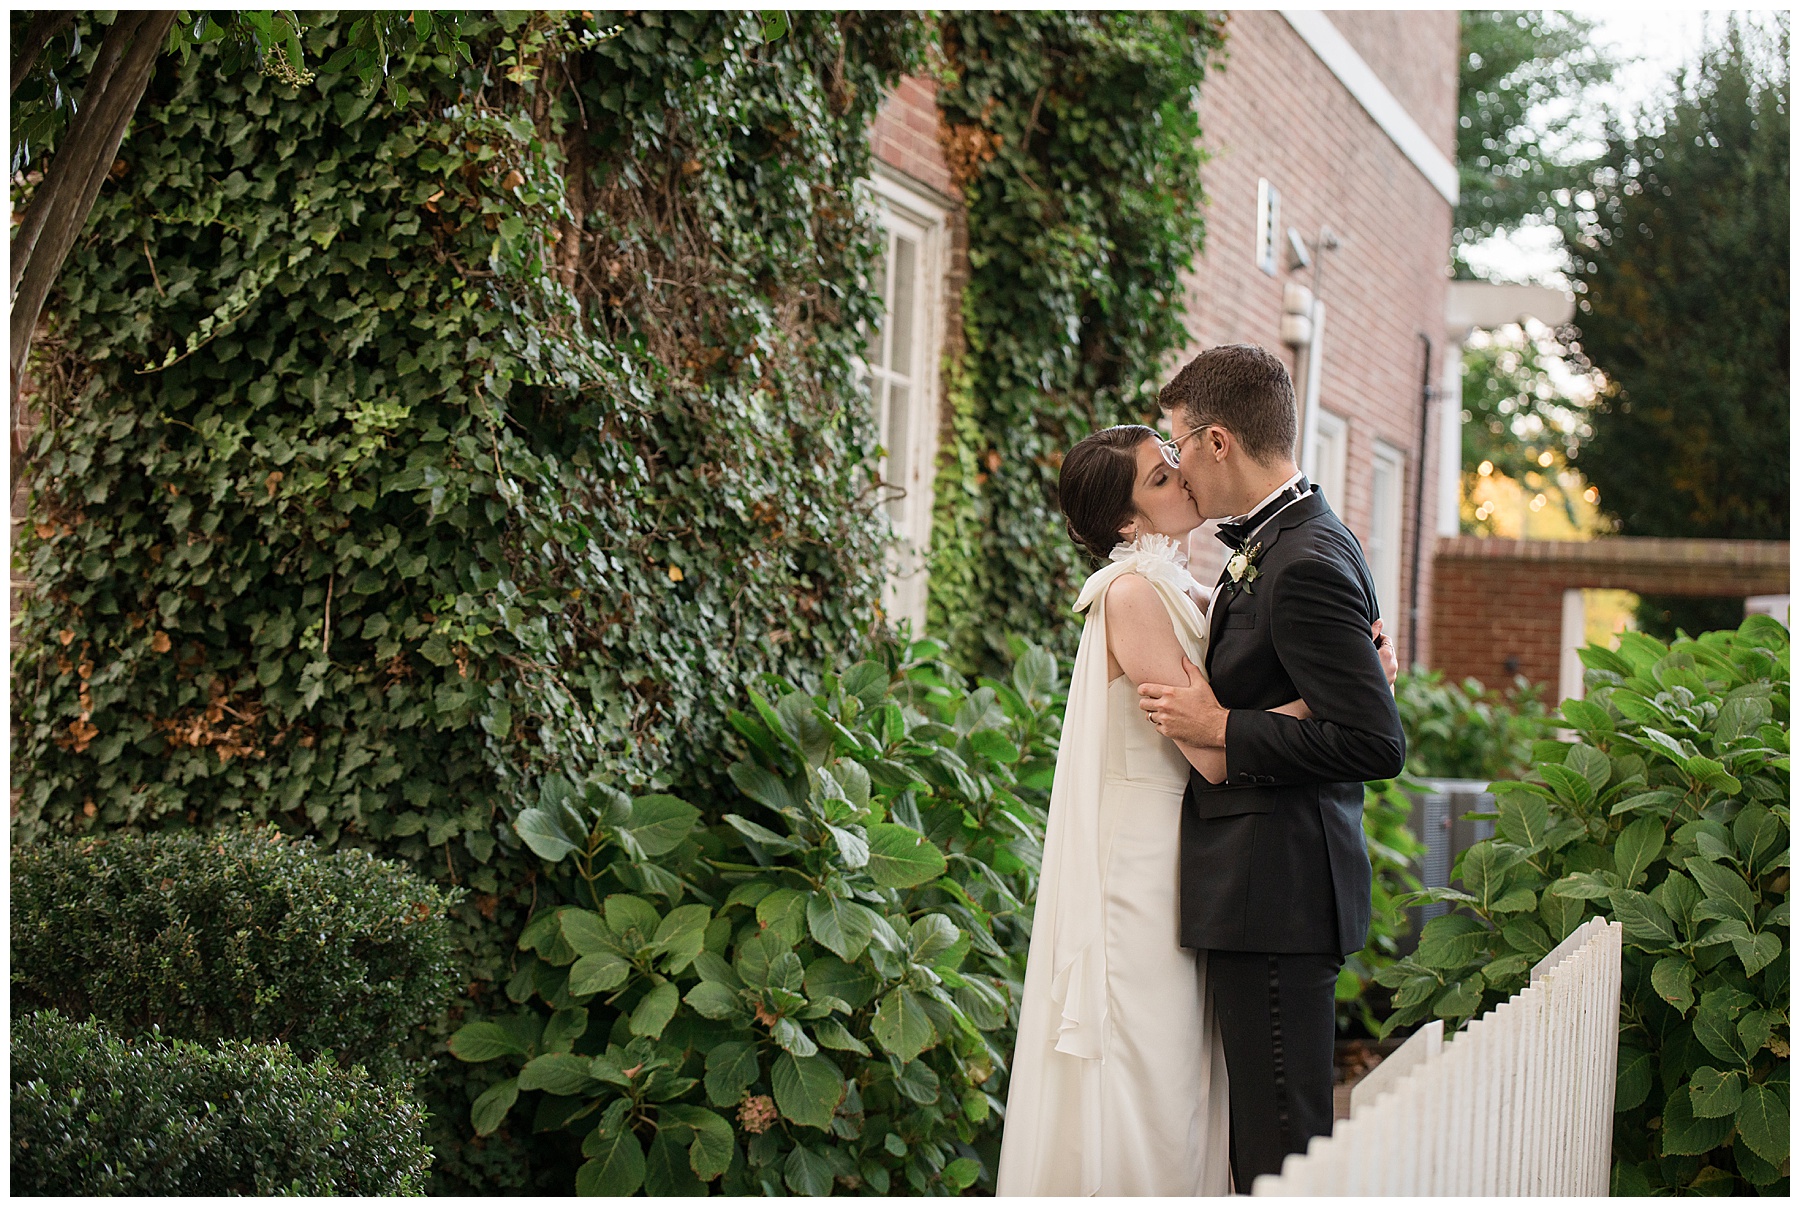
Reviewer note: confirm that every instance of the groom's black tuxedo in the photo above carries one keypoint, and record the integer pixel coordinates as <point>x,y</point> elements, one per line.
<point>1273,858</point>
<point>1274,870</point>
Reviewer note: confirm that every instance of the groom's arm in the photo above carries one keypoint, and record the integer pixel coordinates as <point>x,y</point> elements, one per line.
<point>1321,636</point>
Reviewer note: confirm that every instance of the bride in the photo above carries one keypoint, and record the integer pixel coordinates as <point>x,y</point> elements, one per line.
<point>1118,1080</point>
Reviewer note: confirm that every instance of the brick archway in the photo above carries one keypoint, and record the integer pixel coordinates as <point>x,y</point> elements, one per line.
<point>1500,602</point>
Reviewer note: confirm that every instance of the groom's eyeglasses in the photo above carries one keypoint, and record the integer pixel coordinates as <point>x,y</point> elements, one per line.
<point>1171,449</point>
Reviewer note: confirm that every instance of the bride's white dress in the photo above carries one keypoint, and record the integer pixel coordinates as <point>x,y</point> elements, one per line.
<point>1118,1080</point>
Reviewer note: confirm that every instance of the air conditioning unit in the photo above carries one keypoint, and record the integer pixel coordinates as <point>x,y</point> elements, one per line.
<point>1439,819</point>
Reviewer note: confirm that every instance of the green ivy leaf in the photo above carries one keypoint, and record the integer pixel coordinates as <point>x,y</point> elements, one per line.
<point>1591,765</point>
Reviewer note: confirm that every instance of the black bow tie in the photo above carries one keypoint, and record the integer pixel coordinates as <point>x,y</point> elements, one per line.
<point>1235,533</point>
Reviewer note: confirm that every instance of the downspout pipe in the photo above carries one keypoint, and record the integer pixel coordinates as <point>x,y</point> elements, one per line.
<point>1426,393</point>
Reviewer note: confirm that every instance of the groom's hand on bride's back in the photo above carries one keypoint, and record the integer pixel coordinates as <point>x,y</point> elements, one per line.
<point>1188,713</point>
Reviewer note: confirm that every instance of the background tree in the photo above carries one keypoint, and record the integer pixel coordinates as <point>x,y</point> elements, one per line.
<point>1517,144</point>
<point>81,138</point>
<point>1519,419</point>
<point>1683,270</point>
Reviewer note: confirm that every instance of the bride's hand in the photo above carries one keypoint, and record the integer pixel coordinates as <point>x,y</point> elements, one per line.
<point>1384,646</point>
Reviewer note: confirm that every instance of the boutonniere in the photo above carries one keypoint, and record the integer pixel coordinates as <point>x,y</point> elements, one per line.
<point>1243,568</point>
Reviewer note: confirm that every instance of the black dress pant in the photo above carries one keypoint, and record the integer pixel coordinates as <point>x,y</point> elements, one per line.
<point>1277,1016</point>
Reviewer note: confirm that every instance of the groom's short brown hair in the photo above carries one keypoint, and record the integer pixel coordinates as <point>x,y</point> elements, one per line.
<point>1243,389</point>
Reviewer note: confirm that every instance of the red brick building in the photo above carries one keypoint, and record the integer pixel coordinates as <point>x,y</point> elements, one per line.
<point>1331,187</point>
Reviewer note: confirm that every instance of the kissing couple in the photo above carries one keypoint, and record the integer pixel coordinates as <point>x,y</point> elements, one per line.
<point>1204,869</point>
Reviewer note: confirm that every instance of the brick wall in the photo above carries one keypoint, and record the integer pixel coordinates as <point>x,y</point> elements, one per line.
<point>1416,56</point>
<point>1276,112</point>
<point>904,135</point>
<point>1498,605</point>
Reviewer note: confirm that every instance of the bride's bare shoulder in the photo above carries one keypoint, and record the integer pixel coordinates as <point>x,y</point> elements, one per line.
<point>1132,601</point>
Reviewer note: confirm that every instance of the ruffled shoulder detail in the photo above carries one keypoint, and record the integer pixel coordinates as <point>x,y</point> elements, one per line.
<point>1153,555</point>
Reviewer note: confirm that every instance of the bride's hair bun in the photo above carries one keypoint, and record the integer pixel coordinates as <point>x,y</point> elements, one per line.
<point>1095,485</point>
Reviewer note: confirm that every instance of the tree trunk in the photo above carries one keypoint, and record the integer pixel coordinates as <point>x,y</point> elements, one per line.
<point>43,28</point>
<point>60,207</point>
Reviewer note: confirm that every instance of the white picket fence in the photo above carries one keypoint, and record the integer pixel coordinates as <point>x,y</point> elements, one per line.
<point>1519,1103</point>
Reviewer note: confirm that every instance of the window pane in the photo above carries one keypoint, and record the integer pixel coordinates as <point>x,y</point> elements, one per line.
<point>896,436</point>
<point>879,336</point>
<point>900,309</point>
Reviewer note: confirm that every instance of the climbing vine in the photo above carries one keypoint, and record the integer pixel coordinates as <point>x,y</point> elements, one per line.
<point>407,449</point>
<point>512,428</point>
<point>1075,140</point>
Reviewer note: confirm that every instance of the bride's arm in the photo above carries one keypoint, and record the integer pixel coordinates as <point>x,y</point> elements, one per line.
<point>1141,638</point>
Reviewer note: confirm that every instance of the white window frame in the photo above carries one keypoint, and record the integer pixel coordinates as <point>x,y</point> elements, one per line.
<point>907,209</point>
<point>1386,509</point>
<point>1330,457</point>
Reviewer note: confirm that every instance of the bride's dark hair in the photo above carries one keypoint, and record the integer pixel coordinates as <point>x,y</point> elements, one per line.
<point>1094,487</point>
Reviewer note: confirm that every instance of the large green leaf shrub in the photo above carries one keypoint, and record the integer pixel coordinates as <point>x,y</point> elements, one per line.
<point>1669,812</point>
<point>1394,853</point>
<point>247,935</point>
<point>1075,140</point>
<point>1465,730</point>
<point>813,992</point>
<point>95,1114</point>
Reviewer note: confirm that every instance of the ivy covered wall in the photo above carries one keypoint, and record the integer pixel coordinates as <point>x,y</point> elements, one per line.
<point>514,429</point>
<point>393,457</point>
<point>1075,141</point>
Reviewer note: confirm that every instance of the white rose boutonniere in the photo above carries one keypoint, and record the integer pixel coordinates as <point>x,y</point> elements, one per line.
<point>1242,567</point>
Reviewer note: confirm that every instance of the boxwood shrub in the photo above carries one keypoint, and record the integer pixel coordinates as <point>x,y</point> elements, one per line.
<point>243,934</point>
<point>1669,812</point>
<point>97,1114</point>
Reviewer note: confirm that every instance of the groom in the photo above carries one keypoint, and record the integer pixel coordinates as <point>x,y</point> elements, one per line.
<point>1274,872</point>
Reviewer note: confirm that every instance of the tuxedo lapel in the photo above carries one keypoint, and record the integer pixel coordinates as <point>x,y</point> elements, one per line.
<point>1308,508</point>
